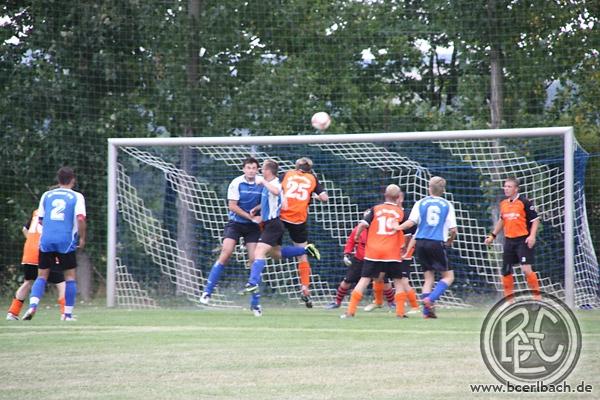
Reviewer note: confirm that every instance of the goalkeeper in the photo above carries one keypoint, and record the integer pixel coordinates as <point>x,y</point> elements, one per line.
<point>354,255</point>
<point>520,222</point>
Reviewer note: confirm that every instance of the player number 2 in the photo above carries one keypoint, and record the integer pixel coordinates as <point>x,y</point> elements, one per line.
<point>58,208</point>
<point>296,190</point>
<point>433,215</point>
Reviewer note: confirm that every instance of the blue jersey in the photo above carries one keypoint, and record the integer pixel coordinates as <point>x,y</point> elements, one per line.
<point>434,216</point>
<point>58,210</point>
<point>247,194</point>
<point>270,204</point>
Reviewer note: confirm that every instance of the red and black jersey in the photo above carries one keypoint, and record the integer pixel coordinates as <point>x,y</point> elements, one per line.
<point>351,244</point>
<point>517,215</point>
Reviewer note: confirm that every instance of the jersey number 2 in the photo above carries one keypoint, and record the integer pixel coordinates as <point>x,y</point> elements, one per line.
<point>58,208</point>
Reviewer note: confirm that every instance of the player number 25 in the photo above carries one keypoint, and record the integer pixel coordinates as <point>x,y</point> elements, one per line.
<point>297,190</point>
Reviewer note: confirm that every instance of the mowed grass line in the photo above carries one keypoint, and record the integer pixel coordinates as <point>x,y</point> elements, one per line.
<point>289,353</point>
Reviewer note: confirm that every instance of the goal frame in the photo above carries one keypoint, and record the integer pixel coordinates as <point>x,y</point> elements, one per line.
<point>566,133</point>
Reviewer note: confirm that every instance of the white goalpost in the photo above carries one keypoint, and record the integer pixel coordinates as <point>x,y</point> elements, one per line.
<point>167,208</point>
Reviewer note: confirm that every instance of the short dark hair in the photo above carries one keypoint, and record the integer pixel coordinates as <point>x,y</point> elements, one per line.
<point>513,179</point>
<point>65,175</point>
<point>250,160</point>
<point>304,164</point>
<point>271,166</point>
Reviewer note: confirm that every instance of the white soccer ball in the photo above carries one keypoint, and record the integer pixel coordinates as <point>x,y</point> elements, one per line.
<point>320,120</point>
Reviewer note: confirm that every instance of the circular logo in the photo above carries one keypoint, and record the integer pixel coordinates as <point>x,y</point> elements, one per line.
<point>527,340</point>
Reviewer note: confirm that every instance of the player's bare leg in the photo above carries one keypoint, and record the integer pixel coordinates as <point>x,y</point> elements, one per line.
<point>356,297</point>
<point>42,278</point>
<point>443,284</point>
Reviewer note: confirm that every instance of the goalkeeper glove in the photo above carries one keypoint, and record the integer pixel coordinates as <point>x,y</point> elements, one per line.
<point>347,260</point>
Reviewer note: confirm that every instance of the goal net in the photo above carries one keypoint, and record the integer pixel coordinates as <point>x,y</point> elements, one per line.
<point>167,209</point>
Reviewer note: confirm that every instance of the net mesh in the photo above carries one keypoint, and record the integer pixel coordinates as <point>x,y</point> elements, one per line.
<point>152,186</point>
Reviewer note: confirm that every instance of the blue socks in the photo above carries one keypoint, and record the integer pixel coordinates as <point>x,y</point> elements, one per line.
<point>255,279</point>
<point>254,300</point>
<point>214,276</point>
<point>70,294</point>
<point>37,291</point>
<point>292,251</point>
<point>425,311</point>
<point>439,289</point>
<point>256,270</point>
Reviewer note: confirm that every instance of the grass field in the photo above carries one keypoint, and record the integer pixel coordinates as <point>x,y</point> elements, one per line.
<point>289,353</point>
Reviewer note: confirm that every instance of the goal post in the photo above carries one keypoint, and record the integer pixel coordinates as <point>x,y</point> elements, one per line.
<point>152,237</point>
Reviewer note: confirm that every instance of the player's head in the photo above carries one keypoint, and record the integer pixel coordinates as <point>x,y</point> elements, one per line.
<point>270,168</point>
<point>437,186</point>
<point>250,167</point>
<point>392,193</point>
<point>511,186</point>
<point>65,176</point>
<point>304,164</point>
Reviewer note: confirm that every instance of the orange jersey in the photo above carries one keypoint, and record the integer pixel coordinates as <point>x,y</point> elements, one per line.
<point>31,249</point>
<point>383,242</point>
<point>298,187</point>
<point>517,216</point>
<point>411,251</point>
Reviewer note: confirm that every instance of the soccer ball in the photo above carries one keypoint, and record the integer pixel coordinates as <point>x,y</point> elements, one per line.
<point>320,121</point>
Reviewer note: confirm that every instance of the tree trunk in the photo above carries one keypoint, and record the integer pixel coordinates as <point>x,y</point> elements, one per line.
<point>185,221</point>
<point>496,81</point>
<point>85,271</point>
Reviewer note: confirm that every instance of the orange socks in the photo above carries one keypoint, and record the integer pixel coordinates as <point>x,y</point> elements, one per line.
<point>400,300</point>
<point>378,292</point>
<point>61,303</point>
<point>15,306</point>
<point>304,272</point>
<point>509,285</point>
<point>534,285</point>
<point>412,299</point>
<point>355,298</point>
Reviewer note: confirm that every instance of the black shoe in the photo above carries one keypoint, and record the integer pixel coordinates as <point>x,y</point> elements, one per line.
<point>307,300</point>
<point>248,289</point>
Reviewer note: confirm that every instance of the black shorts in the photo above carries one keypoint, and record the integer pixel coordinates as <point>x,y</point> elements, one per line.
<point>272,232</point>
<point>65,262</point>
<point>405,269</point>
<point>372,269</point>
<point>31,272</point>
<point>516,251</point>
<point>234,230</point>
<point>298,232</point>
<point>354,271</point>
<point>431,254</point>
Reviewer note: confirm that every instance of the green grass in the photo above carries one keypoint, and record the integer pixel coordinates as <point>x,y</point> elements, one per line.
<point>289,353</point>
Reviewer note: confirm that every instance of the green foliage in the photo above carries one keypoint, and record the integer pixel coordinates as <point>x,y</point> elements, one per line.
<point>86,71</point>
